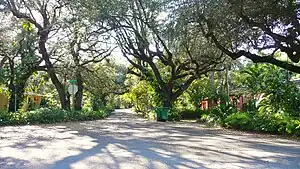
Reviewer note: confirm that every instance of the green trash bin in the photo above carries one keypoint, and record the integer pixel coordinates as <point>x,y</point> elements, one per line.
<point>162,113</point>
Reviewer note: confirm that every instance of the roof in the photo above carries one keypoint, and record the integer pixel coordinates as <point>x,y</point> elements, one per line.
<point>239,91</point>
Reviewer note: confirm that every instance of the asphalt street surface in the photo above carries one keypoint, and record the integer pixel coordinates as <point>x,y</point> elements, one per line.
<point>127,142</point>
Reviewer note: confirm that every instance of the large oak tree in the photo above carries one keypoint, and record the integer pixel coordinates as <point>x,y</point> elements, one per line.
<point>254,29</point>
<point>152,46</point>
<point>44,16</point>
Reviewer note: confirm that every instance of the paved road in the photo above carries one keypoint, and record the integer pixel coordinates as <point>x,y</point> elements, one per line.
<point>125,141</point>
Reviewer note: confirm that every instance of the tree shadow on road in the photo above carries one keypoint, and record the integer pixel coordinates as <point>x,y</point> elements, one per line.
<point>124,143</point>
<point>165,143</point>
<point>12,163</point>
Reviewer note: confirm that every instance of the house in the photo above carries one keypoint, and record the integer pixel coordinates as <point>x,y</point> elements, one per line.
<point>237,101</point>
<point>3,102</point>
<point>32,101</point>
<point>237,98</point>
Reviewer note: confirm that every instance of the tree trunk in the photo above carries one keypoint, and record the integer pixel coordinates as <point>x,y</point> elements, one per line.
<point>11,104</point>
<point>167,103</point>
<point>12,88</point>
<point>16,88</point>
<point>43,32</point>
<point>212,82</point>
<point>79,94</point>
<point>220,85</point>
<point>168,95</point>
<point>51,72</point>
<point>75,55</point>
<point>60,89</point>
<point>227,81</point>
<point>68,95</point>
<point>17,96</point>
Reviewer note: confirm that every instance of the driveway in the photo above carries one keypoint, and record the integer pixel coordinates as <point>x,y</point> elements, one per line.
<point>126,141</point>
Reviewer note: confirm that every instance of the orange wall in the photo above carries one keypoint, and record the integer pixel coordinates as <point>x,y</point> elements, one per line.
<point>3,102</point>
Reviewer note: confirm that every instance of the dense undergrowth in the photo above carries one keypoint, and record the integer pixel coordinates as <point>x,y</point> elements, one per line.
<point>271,100</point>
<point>50,115</point>
<point>275,123</point>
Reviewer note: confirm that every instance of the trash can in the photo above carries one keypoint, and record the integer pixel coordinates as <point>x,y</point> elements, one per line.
<point>162,113</point>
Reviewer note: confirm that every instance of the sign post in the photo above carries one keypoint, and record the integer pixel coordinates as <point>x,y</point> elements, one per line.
<point>73,81</point>
<point>73,89</point>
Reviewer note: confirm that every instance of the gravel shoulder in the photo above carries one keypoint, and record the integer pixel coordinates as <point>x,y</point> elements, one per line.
<point>126,141</point>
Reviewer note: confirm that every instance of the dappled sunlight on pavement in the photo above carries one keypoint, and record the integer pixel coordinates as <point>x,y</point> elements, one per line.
<point>126,141</point>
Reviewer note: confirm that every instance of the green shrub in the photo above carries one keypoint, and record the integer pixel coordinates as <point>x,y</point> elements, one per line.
<point>5,118</point>
<point>174,114</point>
<point>276,123</point>
<point>297,127</point>
<point>210,119</point>
<point>191,114</point>
<point>47,115</point>
<point>239,121</point>
<point>293,127</point>
<point>217,115</point>
<point>272,123</point>
<point>203,118</point>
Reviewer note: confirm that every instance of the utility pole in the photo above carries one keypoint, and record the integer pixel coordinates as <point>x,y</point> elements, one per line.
<point>15,101</point>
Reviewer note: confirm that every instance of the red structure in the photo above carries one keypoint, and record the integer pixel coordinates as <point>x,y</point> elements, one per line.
<point>237,101</point>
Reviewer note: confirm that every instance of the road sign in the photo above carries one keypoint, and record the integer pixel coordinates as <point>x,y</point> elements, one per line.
<point>73,81</point>
<point>73,89</point>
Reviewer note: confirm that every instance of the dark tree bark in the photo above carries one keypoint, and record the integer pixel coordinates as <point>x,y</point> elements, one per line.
<point>68,101</point>
<point>288,44</point>
<point>75,54</point>
<point>11,86</point>
<point>79,94</point>
<point>169,99</point>
<point>44,30</point>
<point>11,104</point>
<point>134,36</point>
<point>17,86</point>
<point>17,92</point>
<point>98,56</point>
<point>254,57</point>
<point>51,71</point>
